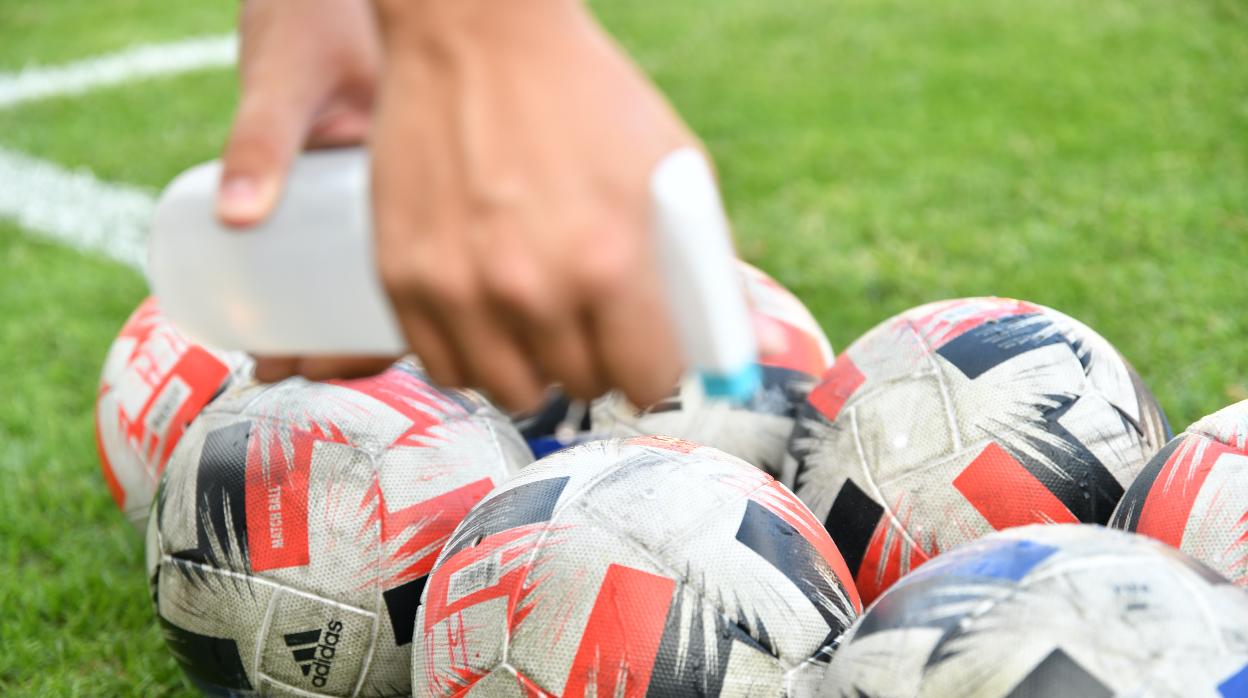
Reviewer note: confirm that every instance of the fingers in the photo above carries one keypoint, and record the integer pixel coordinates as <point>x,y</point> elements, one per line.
<point>466,345</point>
<point>493,359</point>
<point>638,352</point>
<point>443,306</point>
<point>632,333</point>
<point>563,352</point>
<point>268,131</point>
<point>308,72</point>
<point>271,369</point>
<point>321,368</point>
<point>428,341</point>
<point>543,317</point>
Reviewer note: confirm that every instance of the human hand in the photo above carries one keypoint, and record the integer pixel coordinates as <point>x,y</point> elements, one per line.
<point>512,153</point>
<point>308,73</point>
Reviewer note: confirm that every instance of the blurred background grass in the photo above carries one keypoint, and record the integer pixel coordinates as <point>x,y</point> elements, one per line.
<point>875,154</point>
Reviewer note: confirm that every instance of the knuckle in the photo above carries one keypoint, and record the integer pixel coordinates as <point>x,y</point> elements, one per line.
<point>443,376</point>
<point>398,277</point>
<point>604,274</point>
<point>518,291</point>
<point>415,275</point>
<point>610,262</point>
<point>454,290</point>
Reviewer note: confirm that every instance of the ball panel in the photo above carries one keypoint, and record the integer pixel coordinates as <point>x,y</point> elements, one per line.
<point>1228,425</point>
<point>504,682</point>
<point>619,641</point>
<point>308,641</point>
<point>212,642</point>
<point>1216,531</point>
<point>895,432</point>
<point>807,349</point>
<point>1191,495</point>
<point>154,382</point>
<point>644,493</point>
<point>467,606</point>
<point>213,664</point>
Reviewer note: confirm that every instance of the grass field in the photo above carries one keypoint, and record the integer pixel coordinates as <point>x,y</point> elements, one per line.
<point>876,154</point>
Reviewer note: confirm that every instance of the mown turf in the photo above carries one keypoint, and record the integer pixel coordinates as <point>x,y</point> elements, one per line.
<point>875,154</point>
<point>142,133</point>
<point>1091,156</point>
<point>40,33</point>
<point>76,617</point>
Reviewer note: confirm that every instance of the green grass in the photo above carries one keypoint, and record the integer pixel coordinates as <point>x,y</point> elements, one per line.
<point>76,615</point>
<point>142,133</point>
<point>39,33</point>
<point>876,154</point>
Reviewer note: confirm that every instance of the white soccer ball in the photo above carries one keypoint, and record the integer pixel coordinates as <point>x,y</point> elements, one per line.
<point>647,566</point>
<point>1069,610</point>
<point>155,381</point>
<point>961,417</point>
<point>296,524</point>
<point>758,430</point>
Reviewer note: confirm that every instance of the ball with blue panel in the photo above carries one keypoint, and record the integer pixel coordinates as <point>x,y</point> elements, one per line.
<point>1050,610</point>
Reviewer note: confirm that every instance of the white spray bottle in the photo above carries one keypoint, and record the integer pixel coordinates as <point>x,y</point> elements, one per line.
<point>304,282</point>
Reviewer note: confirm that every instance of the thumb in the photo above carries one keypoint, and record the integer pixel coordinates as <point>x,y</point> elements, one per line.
<point>266,135</point>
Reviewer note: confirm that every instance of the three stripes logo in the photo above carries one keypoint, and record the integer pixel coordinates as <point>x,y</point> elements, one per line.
<point>314,651</point>
<point>304,655</point>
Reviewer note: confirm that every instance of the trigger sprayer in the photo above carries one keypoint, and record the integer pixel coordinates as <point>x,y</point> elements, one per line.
<point>304,282</point>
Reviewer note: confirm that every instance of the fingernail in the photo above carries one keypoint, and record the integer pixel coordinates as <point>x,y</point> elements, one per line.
<point>240,200</point>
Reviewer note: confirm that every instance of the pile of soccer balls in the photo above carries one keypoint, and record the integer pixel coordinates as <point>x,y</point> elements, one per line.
<point>960,470</point>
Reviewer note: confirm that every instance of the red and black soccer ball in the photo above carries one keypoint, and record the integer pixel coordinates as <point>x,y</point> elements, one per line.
<point>758,429</point>
<point>1194,494</point>
<point>960,417</point>
<point>297,522</point>
<point>646,566</point>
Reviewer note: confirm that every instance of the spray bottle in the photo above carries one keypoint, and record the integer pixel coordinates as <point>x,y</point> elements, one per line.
<point>304,281</point>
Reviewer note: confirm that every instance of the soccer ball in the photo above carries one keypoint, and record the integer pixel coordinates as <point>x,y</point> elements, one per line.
<point>154,382</point>
<point>1194,494</point>
<point>758,430</point>
<point>1070,610</point>
<point>647,566</point>
<point>296,524</point>
<point>961,417</point>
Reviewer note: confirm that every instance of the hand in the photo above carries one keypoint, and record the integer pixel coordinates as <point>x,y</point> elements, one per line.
<point>512,151</point>
<point>308,72</point>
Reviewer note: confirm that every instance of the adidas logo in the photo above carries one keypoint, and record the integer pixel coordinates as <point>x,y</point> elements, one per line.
<point>314,650</point>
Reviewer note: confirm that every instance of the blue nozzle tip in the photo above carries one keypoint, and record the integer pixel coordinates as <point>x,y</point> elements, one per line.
<point>738,387</point>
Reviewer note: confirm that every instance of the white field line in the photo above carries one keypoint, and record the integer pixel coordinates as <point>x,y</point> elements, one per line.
<point>75,208</point>
<point>152,60</point>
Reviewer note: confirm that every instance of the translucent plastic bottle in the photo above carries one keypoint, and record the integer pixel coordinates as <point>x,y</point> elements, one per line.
<point>304,282</point>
